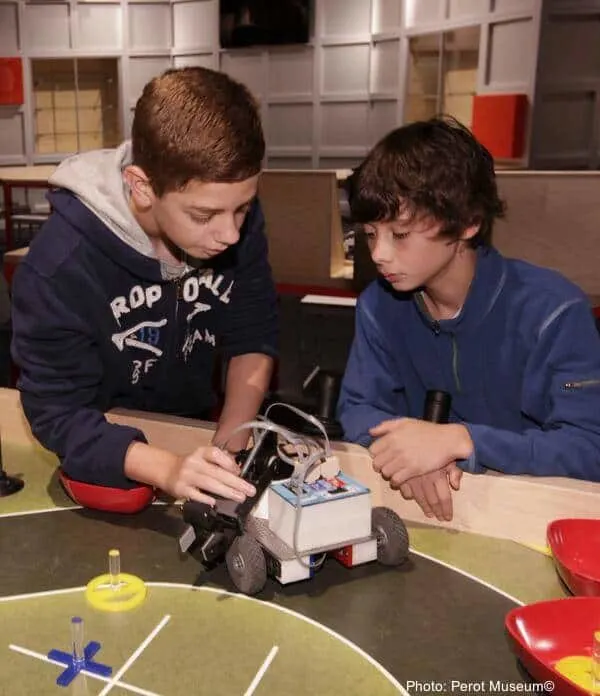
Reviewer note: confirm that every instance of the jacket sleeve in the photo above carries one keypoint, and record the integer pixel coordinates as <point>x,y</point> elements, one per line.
<point>561,397</point>
<point>251,323</point>
<point>60,372</point>
<point>372,389</point>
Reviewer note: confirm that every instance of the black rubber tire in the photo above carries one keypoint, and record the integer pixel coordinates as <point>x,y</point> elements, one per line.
<point>247,565</point>
<point>392,536</point>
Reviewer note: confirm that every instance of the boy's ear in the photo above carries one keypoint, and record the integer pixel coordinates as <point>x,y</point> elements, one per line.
<point>139,186</point>
<point>470,232</point>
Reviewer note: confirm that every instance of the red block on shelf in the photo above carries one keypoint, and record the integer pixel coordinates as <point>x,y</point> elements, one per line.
<point>499,122</point>
<point>11,82</point>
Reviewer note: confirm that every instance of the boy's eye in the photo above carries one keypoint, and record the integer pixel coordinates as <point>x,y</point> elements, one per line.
<point>400,235</point>
<point>200,220</point>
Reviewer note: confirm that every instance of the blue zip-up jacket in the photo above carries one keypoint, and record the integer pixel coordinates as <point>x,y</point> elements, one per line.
<point>97,326</point>
<point>521,362</point>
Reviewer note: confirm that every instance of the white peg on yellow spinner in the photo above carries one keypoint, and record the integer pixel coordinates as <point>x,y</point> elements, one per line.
<point>115,591</point>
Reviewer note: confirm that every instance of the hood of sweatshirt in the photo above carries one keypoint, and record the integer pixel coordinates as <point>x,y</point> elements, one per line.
<point>96,179</point>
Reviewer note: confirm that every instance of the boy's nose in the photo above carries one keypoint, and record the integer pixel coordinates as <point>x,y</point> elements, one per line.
<point>380,251</point>
<point>228,232</point>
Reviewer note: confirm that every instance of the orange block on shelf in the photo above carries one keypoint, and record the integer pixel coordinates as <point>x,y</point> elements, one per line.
<point>499,122</point>
<point>11,82</point>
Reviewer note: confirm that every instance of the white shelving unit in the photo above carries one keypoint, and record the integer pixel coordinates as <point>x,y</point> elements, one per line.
<point>566,120</point>
<point>325,103</point>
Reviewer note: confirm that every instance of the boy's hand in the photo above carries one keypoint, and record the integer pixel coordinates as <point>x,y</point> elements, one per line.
<point>205,471</point>
<point>407,447</point>
<point>433,492</point>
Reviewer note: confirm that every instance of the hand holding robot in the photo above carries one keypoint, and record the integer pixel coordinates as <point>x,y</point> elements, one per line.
<point>293,471</point>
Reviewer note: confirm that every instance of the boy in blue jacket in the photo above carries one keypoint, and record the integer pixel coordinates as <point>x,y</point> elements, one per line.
<point>514,345</point>
<point>154,258</point>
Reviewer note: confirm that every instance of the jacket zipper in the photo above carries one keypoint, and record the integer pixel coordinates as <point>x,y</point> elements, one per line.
<point>435,325</point>
<point>571,386</point>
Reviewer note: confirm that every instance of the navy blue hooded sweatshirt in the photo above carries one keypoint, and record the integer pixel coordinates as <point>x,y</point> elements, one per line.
<point>99,323</point>
<point>521,361</point>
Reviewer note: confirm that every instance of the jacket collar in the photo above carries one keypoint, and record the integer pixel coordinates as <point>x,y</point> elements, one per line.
<point>485,289</point>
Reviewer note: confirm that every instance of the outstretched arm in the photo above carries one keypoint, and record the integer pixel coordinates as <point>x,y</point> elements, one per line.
<point>372,389</point>
<point>561,396</point>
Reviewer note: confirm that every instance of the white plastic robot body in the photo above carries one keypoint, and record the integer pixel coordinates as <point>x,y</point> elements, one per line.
<point>316,513</point>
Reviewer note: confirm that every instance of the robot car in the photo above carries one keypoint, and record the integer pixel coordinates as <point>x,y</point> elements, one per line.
<point>304,510</point>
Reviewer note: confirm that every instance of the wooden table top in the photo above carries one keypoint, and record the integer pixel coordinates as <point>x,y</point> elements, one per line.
<point>39,172</point>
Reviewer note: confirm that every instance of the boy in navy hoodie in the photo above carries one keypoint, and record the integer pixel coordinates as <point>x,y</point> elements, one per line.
<point>153,259</point>
<point>514,345</point>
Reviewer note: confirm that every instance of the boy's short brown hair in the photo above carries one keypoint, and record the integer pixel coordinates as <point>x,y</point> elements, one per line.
<point>432,168</point>
<point>195,123</point>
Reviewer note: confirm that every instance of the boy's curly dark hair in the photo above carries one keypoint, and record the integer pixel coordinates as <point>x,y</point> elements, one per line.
<point>429,168</point>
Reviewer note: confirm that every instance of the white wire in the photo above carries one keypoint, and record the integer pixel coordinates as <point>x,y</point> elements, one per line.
<point>318,563</point>
<point>307,416</point>
<point>303,464</point>
<point>264,425</point>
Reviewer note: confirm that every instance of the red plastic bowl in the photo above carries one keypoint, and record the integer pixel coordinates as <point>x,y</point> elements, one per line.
<point>105,498</point>
<point>575,545</point>
<point>543,633</point>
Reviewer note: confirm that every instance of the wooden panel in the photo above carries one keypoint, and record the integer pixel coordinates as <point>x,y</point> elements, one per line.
<point>38,173</point>
<point>290,125</point>
<point>291,71</point>
<point>345,17</point>
<point>75,114</point>
<point>195,24</point>
<point>179,435</point>
<point>460,106</point>
<point>506,507</point>
<point>303,225</point>
<point>385,67</point>
<point>551,140</point>
<point>467,8</point>
<point>9,29</point>
<point>387,15</point>
<point>552,220</point>
<point>12,133</point>
<point>424,13</point>
<point>510,58</point>
<point>48,26</point>
<point>345,69</point>
<point>67,143</point>
<point>518,508</point>
<point>149,26</point>
<point>99,27</point>
<point>344,125</point>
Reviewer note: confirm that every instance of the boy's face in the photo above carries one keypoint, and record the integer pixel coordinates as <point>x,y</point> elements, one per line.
<point>204,219</point>
<point>409,252</point>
